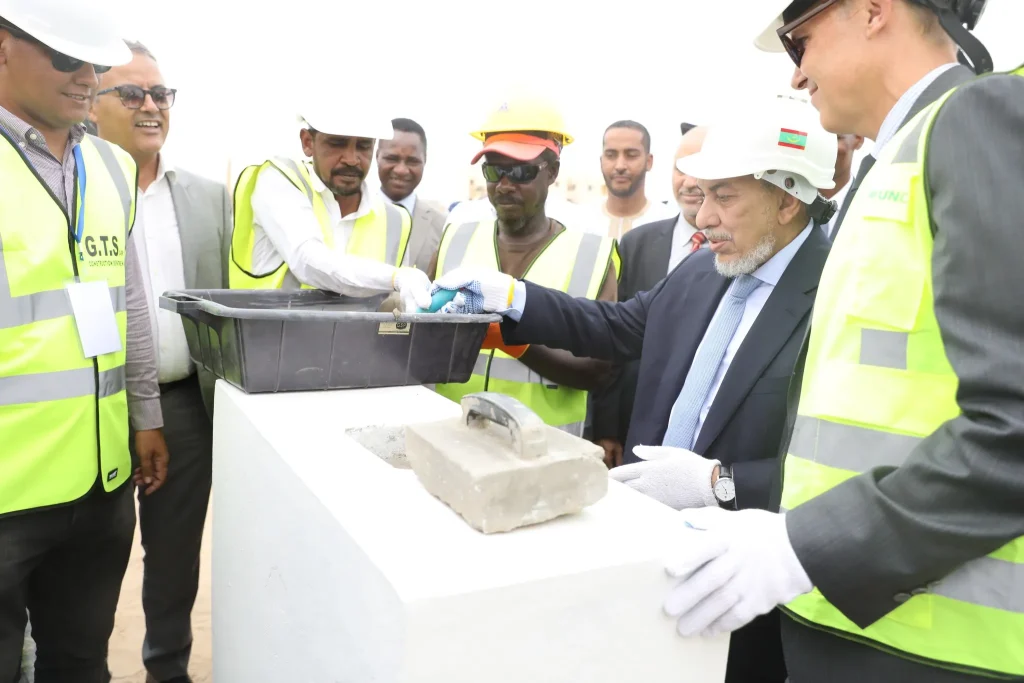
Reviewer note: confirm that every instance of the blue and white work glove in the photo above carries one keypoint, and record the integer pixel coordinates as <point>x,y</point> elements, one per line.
<point>733,566</point>
<point>676,477</point>
<point>477,290</point>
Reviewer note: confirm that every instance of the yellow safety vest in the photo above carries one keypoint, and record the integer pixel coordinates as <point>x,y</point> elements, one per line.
<point>876,383</point>
<point>573,262</point>
<point>63,417</point>
<point>381,235</point>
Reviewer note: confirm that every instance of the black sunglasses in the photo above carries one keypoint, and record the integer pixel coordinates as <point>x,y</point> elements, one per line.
<point>795,48</point>
<point>60,61</point>
<point>518,174</point>
<point>133,97</point>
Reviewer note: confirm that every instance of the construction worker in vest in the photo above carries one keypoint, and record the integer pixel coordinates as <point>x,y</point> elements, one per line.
<point>523,142</point>
<point>898,552</point>
<point>76,353</point>
<point>315,224</point>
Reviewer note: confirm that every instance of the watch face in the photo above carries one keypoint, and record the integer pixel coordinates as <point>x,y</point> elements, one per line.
<point>725,489</point>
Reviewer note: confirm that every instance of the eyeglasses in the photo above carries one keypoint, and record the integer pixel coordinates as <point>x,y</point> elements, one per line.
<point>795,47</point>
<point>519,174</point>
<point>133,97</point>
<point>60,61</point>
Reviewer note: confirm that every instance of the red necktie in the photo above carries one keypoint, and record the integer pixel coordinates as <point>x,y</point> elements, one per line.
<point>697,241</point>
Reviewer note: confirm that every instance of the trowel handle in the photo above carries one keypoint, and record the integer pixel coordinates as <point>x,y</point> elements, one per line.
<point>526,427</point>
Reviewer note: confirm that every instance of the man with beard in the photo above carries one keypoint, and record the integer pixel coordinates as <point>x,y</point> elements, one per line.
<point>315,224</point>
<point>523,143</point>
<point>717,339</point>
<point>626,160</point>
<point>649,253</point>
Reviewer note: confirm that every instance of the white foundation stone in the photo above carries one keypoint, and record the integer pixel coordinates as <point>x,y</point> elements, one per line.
<point>330,564</point>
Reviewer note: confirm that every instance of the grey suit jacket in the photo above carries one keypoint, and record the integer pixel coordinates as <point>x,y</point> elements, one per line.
<point>203,210</point>
<point>427,225</point>
<point>872,540</point>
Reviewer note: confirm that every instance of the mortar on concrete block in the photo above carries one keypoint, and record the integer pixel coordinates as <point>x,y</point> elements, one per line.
<point>387,443</point>
<point>500,467</point>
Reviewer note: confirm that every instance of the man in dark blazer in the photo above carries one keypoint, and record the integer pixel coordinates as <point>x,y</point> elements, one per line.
<point>735,313</point>
<point>901,563</point>
<point>648,253</point>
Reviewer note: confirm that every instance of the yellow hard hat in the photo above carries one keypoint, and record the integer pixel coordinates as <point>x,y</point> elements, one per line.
<point>524,113</point>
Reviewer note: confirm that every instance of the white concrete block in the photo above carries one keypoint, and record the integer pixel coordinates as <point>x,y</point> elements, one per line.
<point>331,565</point>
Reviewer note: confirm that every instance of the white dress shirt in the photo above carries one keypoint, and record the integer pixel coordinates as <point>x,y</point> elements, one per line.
<point>286,230</point>
<point>682,233</point>
<point>617,226</point>
<point>894,119</point>
<point>156,223</point>
<point>408,203</point>
<point>769,274</point>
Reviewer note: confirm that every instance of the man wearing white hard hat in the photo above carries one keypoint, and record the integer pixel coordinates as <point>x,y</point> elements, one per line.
<point>717,339</point>
<point>76,354</point>
<point>898,556</point>
<point>315,223</point>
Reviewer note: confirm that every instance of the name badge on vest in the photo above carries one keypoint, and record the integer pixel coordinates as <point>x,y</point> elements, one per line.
<point>94,317</point>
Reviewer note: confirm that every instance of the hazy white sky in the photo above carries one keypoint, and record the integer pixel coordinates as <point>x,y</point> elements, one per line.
<point>241,68</point>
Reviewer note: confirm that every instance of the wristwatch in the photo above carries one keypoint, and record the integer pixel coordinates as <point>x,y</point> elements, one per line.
<point>725,488</point>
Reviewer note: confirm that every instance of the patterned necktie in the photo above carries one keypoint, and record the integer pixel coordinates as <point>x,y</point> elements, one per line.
<point>682,425</point>
<point>697,241</point>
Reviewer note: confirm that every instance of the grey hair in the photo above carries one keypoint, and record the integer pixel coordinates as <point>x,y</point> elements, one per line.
<point>138,48</point>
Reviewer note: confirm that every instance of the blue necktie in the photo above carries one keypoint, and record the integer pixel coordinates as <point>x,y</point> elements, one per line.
<point>686,411</point>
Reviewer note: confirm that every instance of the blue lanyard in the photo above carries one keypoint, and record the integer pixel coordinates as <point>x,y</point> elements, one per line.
<point>80,165</point>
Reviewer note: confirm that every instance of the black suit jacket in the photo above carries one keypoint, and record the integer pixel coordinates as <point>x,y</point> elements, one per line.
<point>662,328</point>
<point>645,253</point>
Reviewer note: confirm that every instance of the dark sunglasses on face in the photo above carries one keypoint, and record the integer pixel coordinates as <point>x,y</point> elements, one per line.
<point>133,97</point>
<point>60,61</point>
<point>795,46</point>
<point>518,174</point>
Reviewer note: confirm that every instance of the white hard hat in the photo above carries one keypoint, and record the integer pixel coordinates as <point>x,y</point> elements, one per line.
<point>780,140</point>
<point>769,17</point>
<point>336,117</point>
<point>78,29</point>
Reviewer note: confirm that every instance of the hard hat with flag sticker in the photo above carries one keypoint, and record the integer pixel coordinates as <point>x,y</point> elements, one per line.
<point>525,113</point>
<point>84,31</point>
<point>781,142</point>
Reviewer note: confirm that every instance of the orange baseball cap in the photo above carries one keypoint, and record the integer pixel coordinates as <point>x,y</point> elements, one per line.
<point>518,146</point>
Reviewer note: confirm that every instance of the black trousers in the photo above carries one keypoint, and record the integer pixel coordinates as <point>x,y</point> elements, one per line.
<point>171,522</point>
<point>65,565</point>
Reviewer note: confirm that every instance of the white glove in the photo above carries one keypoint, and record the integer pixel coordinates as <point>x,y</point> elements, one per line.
<point>480,290</point>
<point>734,566</point>
<point>413,287</point>
<point>676,477</point>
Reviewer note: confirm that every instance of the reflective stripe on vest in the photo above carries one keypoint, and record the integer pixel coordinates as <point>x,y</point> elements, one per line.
<point>52,398</point>
<point>474,243</point>
<point>381,235</point>
<point>876,383</point>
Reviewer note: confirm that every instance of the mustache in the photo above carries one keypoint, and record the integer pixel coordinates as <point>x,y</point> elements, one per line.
<point>718,236</point>
<point>349,171</point>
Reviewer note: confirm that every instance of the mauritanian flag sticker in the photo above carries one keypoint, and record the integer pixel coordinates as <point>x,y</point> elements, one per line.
<point>794,139</point>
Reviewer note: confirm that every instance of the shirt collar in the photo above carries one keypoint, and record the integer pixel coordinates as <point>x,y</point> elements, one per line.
<point>164,168</point>
<point>408,202</point>
<point>771,270</point>
<point>20,130</point>
<point>894,119</point>
<point>681,226</point>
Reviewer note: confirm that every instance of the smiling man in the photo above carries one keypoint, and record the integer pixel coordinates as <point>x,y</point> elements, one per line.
<point>182,225</point>
<point>523,143</point>
<point>717,339</point>
<point>401,162</point>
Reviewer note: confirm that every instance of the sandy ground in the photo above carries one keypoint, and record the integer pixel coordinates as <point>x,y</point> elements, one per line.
<point>130,626</point>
